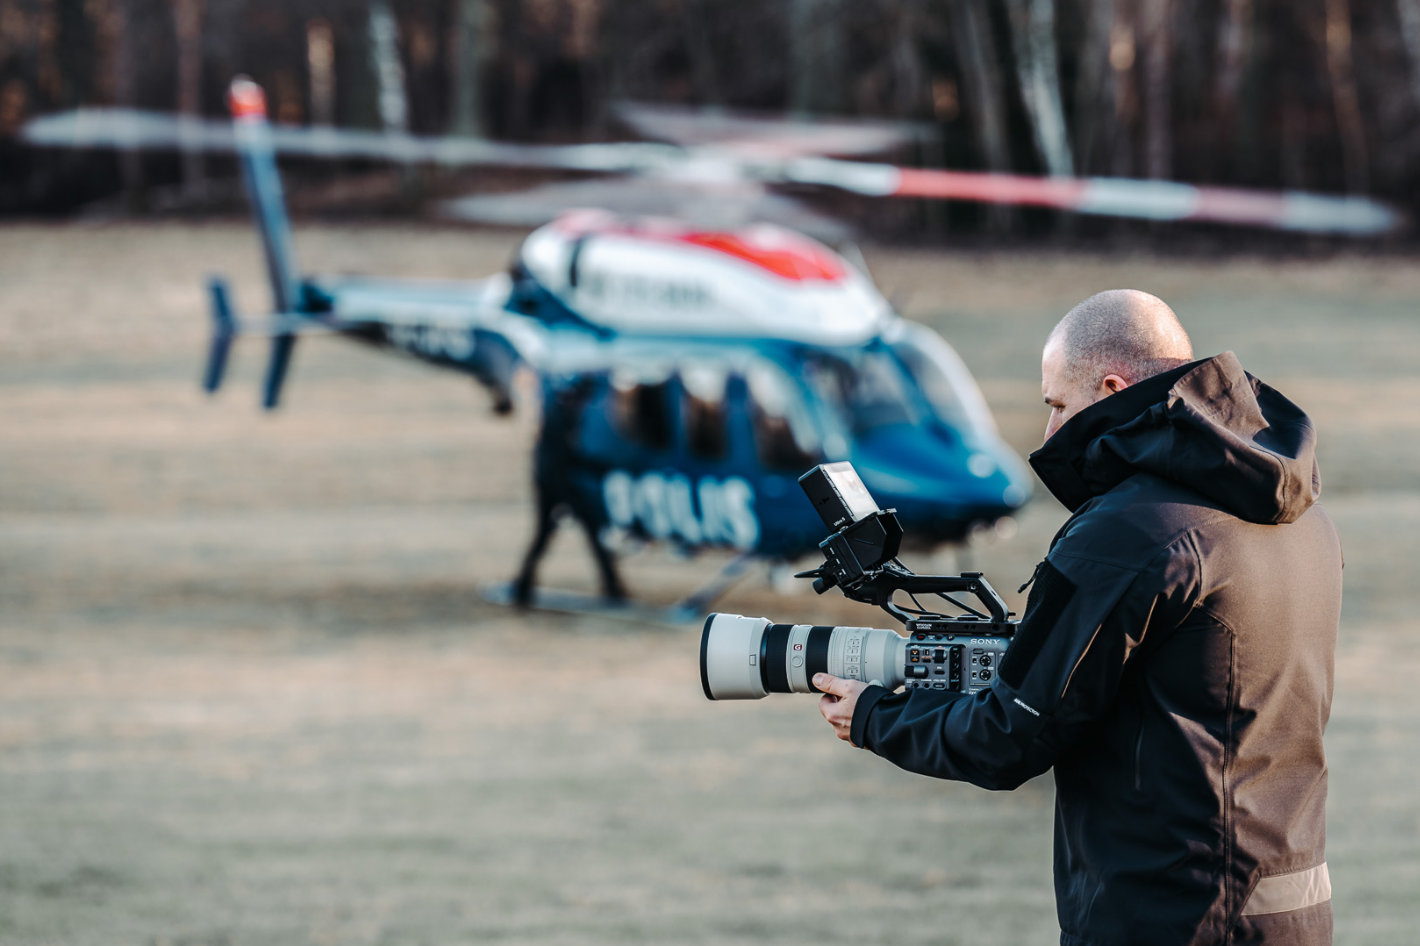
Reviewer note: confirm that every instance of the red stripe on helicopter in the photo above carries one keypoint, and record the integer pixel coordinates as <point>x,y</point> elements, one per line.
<point>784,256</point>
<point>779,252</point>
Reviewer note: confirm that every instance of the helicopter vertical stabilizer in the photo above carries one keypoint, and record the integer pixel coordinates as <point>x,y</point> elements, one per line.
<point>263,183</point>
<point>224,328</point>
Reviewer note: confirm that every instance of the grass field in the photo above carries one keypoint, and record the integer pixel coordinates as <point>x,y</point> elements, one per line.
<point>249,693</point>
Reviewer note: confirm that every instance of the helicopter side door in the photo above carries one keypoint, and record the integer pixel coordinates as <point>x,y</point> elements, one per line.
<point>700,455</point>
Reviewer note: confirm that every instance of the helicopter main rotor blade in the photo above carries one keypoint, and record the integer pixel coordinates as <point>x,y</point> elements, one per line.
<point>1296,211</point>
<point>756,133</point>
<point>134,128</point>
<point>1104,196</point>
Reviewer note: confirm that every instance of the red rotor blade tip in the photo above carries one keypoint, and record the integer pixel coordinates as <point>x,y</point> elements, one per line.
<point>245,99</point>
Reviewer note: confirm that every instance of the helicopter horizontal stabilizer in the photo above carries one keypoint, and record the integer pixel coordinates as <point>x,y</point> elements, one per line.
<point>282,328</point>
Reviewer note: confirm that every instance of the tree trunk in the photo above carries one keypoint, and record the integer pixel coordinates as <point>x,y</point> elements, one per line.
<point>1033,39</point>
<point>320,66</point>
<point>1234,40</point>
<point>1235,135</point>
<point>387,67</point>
<point>704,77</point>
<point>1339,66</point>
<point>1158,89</point>
<point>1123,53</point>
<point>981,81</point>
<point>470,44</point>
<point>187,27</point>
<point>816,81</point>
<point>125,95</point>
<point>76,50</point>
<point>1410,32</point>
<point>1094,85</point>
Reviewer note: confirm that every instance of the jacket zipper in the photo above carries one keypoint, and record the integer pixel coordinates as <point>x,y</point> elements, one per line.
<point>1033,576</point>
<point>1138,756</point>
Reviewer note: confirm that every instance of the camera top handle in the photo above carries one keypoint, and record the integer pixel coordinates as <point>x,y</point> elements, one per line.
<point>878,585</point>
<point>860,557</point>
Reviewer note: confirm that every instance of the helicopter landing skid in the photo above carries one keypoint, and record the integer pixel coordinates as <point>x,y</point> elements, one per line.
<point>695,605</point>
<point>575,602</point>
<point>689,610</point>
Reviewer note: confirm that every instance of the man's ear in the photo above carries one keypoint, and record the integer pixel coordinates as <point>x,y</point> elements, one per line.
<point>1112,384</point>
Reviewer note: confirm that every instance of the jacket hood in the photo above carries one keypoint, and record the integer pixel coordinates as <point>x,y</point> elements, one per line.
<point>1208,426</point>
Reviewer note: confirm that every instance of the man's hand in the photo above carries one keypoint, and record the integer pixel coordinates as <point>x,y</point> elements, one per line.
<point>838,701</point>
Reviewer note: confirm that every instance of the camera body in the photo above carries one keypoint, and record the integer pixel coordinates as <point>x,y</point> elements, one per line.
<point>960,654</point>
<point>748,658</point>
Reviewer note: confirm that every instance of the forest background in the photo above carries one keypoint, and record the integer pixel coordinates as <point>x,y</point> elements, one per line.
<point>1319,95</point>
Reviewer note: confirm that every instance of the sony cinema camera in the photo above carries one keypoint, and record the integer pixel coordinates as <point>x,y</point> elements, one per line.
<point>743,658</point>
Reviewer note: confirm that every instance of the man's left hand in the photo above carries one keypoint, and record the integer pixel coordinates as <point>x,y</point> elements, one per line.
<point>839,699</point>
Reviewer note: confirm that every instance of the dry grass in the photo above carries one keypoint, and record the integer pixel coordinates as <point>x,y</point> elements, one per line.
<point>248,692</point>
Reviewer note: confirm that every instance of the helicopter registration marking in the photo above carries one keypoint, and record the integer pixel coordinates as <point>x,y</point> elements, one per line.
<point>454,342</point>
<point>633,290</point>
<point>668,506</point>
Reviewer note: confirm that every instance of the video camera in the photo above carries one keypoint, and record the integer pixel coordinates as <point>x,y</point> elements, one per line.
<point>743,658</point>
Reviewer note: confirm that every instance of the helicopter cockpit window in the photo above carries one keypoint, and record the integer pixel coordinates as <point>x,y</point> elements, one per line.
<point>641,411</point>
<point>869,390</point>
<point>943,377</point>
<point>706,425</point>
<point>783,435</point>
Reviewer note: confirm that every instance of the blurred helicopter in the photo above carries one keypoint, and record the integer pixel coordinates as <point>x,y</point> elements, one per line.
<point>688,375</point>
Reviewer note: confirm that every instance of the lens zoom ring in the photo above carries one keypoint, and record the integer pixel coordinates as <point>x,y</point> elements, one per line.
<point>816,654</point>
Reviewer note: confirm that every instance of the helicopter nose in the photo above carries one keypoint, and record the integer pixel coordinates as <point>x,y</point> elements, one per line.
<point>946,486</point>
<point>1002,474</point>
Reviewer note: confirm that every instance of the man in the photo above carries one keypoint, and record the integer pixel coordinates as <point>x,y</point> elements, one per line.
<point>1174,661</point>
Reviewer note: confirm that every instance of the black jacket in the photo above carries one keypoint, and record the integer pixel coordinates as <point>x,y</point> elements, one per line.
<point>1174,666</point>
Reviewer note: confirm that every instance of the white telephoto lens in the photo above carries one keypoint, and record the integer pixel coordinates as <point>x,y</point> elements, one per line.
<point>730,657</point>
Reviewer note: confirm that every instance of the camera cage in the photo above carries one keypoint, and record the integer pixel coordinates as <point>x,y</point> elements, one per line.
<point>860,557</point>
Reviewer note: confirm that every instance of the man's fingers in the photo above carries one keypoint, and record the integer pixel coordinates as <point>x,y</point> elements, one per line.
<point>828,683</point>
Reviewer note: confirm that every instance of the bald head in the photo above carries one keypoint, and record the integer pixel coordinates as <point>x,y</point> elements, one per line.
<point>1123,332</point>
<point>1106,343</point>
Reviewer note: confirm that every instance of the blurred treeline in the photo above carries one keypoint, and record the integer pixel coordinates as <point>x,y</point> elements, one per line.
<point>1306,94</point>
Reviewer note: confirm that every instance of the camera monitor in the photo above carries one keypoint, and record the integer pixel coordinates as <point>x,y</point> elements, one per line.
<point>838,495</point>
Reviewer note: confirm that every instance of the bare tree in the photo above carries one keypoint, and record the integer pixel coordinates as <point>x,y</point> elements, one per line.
<point>187,26</point>
<point>125,93</point>
<point>1345,101</point>
<point>1234,41</point>
<point>981,81</point>
<point>1033,37</point>
<point>1234,50</point>
<point>75,48</point>
<point>1158,88</point>
<point>816,77</point>
<point>470,43</point>
<point>386,65</point>
<point>320,66</point>
<point>1094,83</point>
<point>1410,32</point>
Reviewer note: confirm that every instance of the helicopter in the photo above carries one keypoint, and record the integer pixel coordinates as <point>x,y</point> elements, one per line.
<point>687,375</point>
